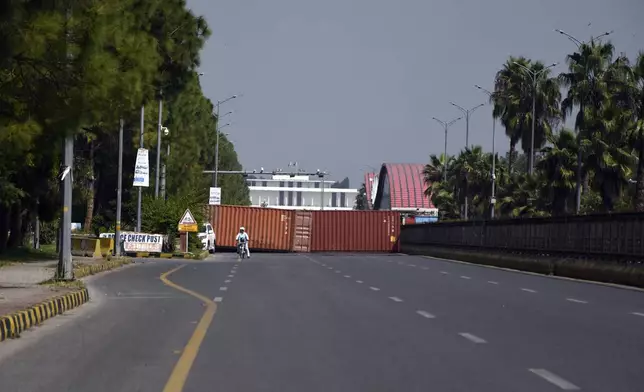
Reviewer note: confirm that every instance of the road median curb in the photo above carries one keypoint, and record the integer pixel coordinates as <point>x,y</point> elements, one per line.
<point>13,324</point>
<point>91,269</point>
<point>189,256</point>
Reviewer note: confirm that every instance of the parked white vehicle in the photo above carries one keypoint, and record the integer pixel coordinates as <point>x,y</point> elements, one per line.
<point>207,237</point>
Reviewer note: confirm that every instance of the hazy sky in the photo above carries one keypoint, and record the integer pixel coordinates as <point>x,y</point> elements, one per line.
<point>343,84</point>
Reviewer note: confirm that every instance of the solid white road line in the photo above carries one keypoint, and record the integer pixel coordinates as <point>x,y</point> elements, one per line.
<point>426,314</point>
<point>554,379</point>
<point>223,288</point>
<point>492,282</point>
<point>218,299</point>
<point>359,281</point>
<point>465,277</point>
<point>472,338</point>
<point>576,301</point>
<point>374,288</point>
<point>529,290</point>
<point>638,314</point>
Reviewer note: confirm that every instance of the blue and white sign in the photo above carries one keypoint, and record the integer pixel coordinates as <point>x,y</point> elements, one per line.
<point>142,169</point>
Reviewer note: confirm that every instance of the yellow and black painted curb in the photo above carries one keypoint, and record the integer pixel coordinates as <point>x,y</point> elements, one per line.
<point>190,256</point>
<point>13,324</point>
<point>91,269</point>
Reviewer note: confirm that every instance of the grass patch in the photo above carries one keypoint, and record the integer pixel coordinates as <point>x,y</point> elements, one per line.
<point>27,254</point>
<point>68,284</point>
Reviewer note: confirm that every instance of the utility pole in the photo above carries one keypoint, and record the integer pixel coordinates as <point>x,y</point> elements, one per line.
<point>159,125</point>
<point>119,190</point>
<point>65,266</point>
<point>467,113</point>
<point>138,204</point>
<point>446,126</point>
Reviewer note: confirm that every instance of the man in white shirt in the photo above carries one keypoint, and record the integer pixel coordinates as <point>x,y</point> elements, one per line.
<point>242,237</point>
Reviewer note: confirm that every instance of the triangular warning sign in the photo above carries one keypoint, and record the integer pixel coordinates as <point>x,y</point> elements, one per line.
<point>187,219</point>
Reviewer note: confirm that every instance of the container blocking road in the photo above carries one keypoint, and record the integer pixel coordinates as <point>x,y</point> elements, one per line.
<point>314,322</point>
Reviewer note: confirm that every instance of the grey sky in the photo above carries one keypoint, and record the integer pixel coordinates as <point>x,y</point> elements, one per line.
<point>340,84</point>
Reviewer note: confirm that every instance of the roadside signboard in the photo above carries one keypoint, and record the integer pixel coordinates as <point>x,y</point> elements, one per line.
<point>215,196</point>
<point>188,223</point>
<point>142,169</point>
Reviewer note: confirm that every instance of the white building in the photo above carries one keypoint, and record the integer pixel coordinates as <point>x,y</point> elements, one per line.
<point>299,193</point>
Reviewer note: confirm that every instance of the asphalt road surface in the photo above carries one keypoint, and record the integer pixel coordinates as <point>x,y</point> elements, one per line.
<point>293,323</point>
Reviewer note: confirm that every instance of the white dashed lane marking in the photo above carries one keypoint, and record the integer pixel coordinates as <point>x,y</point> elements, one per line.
<point>359,281</point>
<point>576,301</point>
<point>492,282</point>
<point>218,299</point>
<point>465,277</point>
<point>231,276</point>
<point>472,338</point>
<point>411,265</point>
<point>529,290</point>
<point>227,281</point>
<point>425,268</point>
<point>638,314</point>
<point>444,272</point>
<point>374,288</point>
<point>554,379</point>
<point>426,314</point>
<point>223,288</point>
<point>347,276</point>
<point>395,299</point>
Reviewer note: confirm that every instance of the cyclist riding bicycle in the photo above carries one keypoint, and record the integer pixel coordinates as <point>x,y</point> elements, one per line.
<point>242,238</point>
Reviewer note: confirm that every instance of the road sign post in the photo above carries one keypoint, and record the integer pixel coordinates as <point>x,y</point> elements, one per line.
<point>187,225</point>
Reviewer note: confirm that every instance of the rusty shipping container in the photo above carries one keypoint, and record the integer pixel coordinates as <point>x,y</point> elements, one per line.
<point>268,229</point>
<point>355,231</point>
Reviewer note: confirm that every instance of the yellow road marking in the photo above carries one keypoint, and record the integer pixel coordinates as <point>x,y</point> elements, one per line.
<point>182,368</point>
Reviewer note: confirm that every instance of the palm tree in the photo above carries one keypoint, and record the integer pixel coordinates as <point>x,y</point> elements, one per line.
<point>586,90</point>
<point>636,95</point>
<point>514,90</point>
<point>435,170</point>
<point>558,169</point>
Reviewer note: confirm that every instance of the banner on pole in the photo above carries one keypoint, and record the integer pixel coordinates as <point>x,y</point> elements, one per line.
<point>215,196</point>
<point>142,169</point>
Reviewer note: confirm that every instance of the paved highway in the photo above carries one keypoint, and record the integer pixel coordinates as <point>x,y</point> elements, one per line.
<point>334,323</point>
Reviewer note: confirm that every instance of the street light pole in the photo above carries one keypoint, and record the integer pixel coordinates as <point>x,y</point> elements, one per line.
<point>138,203</point>
<point>446,126</point>
<point>159,126</point>
<point>119,191</point>
<point>579,43</point>
<point>493,174</point>
<point>219,103</point>
<point>535,77</point>
<point>467,113</point>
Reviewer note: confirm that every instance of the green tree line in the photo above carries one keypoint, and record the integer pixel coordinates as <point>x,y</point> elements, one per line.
<point>596,167</point>
<point>77,68</point>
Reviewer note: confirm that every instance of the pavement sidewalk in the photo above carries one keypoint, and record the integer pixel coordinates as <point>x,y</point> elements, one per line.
<point>20,283</point>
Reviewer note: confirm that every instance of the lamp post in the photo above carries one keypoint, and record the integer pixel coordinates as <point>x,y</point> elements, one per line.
<point>579,43</point>
<point>446,126</point>
<point>467,113</point>
<point>493,173</point>
<point>535,77</point>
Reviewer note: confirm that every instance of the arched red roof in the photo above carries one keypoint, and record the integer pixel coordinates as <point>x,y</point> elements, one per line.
<point>406,185</point>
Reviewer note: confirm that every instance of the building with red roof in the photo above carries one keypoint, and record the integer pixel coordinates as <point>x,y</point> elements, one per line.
<point>401,187</point>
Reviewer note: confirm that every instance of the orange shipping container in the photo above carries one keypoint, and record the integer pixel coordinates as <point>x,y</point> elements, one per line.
<point>268,229</point>
<point>355,231</point>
